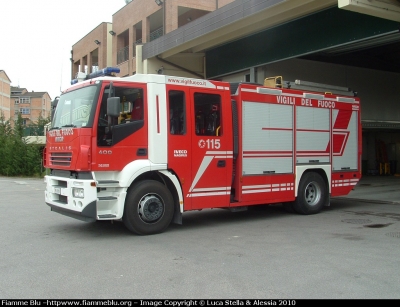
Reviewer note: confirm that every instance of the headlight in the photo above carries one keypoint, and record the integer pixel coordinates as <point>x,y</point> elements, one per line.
<point>78,193</point>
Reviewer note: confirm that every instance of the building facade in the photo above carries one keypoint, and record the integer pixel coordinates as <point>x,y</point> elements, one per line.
<point>31,105</point>
<point>14,100</point>
<point>5,89</point>
<point>93,51</point>
<point>138,22</point>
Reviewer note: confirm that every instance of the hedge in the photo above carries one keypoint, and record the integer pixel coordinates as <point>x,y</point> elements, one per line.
<point>16,157</point>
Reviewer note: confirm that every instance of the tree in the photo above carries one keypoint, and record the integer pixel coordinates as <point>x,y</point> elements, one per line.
<point>37,129</point>
<point>17,157</point>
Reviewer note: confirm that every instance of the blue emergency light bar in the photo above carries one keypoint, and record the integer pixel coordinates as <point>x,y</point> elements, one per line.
<point>108,71</point>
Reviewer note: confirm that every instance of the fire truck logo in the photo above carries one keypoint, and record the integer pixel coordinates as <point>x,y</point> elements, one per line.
<point>180,153</point>
<point>202,143</point>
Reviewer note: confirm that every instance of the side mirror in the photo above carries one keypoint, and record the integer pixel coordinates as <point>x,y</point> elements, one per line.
<point>113,106</point>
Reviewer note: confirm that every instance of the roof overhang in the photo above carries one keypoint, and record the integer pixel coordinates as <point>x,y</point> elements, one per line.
<point>387,9</point>
<point>243,18</point>
<point>231,22</point>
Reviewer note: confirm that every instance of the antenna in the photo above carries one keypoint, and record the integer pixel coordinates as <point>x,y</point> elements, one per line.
<point>61,76</point>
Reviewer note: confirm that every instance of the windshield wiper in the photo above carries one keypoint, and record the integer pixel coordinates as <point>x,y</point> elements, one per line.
<point>67,126</point>
<point>54,128</point>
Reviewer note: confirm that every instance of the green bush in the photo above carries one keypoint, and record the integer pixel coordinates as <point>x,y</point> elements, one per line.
<point>16,157</point>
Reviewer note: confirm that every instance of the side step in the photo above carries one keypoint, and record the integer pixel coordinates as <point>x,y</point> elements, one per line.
<point>107,216</point>
<point>106,198</point>
<point>107,183</point>
<point>238,209</point>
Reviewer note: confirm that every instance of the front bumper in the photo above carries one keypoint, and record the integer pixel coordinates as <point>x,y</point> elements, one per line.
<point>89,214</point>
<point>101,199</point>
<point>58,195</point>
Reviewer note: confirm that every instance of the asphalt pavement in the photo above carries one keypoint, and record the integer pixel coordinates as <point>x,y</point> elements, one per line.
<point>348,251</point>
<point>377,189</point>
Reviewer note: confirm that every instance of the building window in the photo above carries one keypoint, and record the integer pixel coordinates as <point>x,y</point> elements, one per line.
<point>123,55</point>
<point>16,101</point>
<point>25,111</point>
<point>24,100</point>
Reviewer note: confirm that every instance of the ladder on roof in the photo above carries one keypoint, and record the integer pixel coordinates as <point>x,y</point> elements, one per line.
<point>277,82</point>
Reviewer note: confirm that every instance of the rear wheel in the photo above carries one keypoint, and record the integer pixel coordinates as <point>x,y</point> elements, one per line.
<point>149,208</point>
<point>312,194</point>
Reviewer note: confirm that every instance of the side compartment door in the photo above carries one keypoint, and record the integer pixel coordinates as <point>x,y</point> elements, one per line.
<point>211,149</point>
<point>345,140</point>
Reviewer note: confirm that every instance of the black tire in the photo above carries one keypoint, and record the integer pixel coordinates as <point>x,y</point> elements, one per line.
<point>312,194</point>
<point>149,208</point>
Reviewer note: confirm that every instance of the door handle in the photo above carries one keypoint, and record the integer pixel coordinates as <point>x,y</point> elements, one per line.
<point>141,152</point>
<point>221,163</point>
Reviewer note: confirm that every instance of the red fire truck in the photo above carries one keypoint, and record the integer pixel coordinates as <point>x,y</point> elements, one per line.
<point>146,148</point>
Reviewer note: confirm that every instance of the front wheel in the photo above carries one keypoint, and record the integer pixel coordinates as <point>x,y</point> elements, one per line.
<point>312,194</point>
<point>149,208</point>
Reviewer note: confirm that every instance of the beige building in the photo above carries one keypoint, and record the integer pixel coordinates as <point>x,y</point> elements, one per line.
<point>4,95</point>
<point>138,22</point>
<point>14,100</point>
<point>31,105</point>
<point>93,51</point>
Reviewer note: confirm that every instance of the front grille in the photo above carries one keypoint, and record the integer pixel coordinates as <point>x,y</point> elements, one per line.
<point>61,158</point>
<point>62,199</point>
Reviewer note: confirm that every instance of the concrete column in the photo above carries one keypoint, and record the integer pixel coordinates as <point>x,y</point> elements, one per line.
<point>252,74</point>
<point>89,62</point>
<point>139,59</point>
<point>134,36</point>
<point>74,69</point>
<point>146,30</point>
<point>171,16</point>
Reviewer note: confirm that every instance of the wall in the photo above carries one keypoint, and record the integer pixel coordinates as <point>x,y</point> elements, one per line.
<point>40,106</point>
<point>5,91</point>
<point>151,66</point>
<point>84,47</point>
<point>134,21</point>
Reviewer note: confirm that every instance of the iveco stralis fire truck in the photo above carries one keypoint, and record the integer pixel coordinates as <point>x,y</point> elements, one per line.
<point>146,148</point>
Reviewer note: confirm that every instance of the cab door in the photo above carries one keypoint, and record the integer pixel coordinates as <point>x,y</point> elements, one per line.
<point>211,149</point>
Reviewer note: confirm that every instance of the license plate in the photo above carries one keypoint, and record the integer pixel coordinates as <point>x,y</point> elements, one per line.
<point>57,190</point>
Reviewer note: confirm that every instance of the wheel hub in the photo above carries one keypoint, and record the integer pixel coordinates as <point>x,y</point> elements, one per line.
<point>313,193</point>
<point>150,208</point>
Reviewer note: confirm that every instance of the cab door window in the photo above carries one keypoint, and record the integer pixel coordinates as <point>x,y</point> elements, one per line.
<point>207,114</point>
<point>177,112</point>
<point>130,119</point>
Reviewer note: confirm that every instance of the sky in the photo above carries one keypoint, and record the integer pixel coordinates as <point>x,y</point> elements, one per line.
<point>37,36</point>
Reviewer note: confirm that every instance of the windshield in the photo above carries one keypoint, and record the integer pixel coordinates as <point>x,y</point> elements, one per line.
<point>74,108</point>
